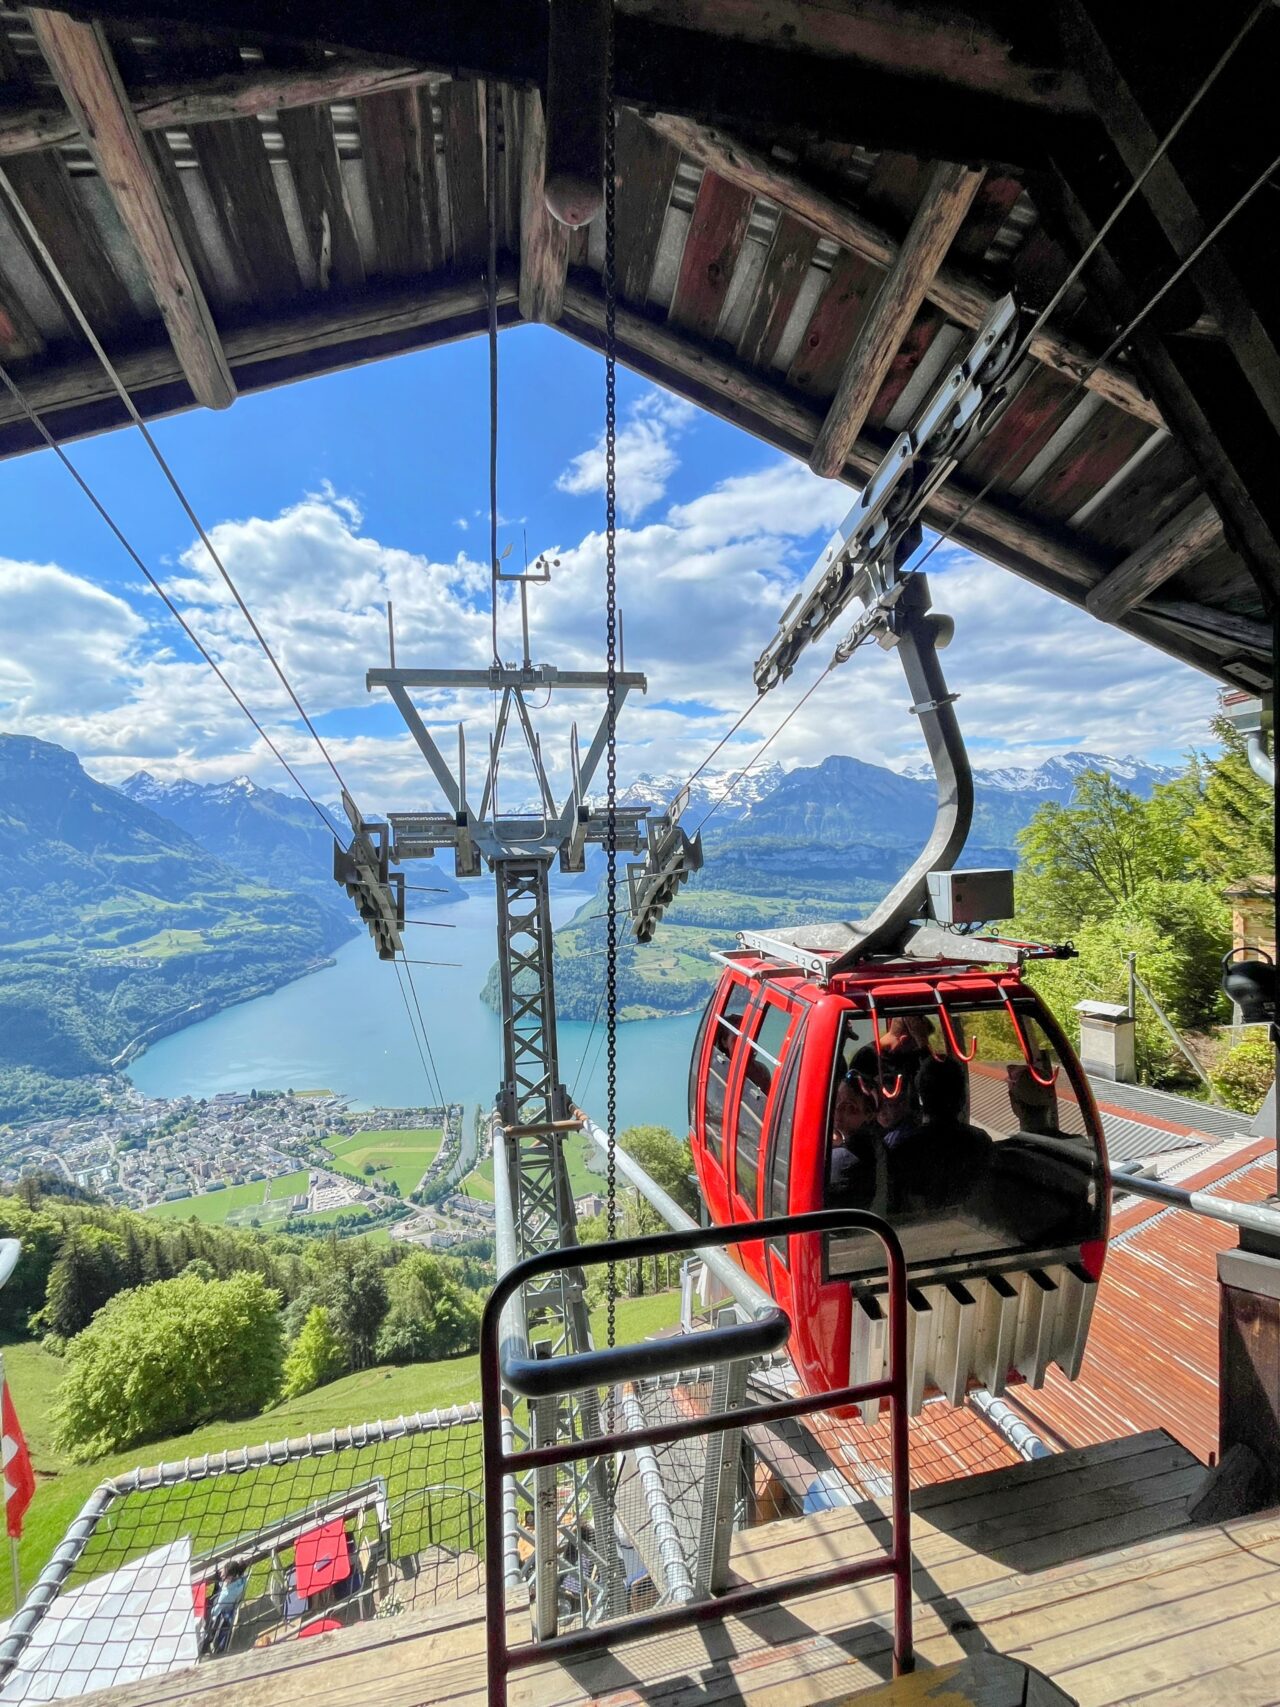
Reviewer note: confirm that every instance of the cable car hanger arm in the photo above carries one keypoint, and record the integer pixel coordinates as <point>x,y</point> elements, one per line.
<point>863,558</point>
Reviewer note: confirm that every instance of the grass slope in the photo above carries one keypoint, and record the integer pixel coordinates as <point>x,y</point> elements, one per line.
<point>399,1155</point>
<point>62,1487</point>
<point>586,1170</point>
<point>265,1201</point>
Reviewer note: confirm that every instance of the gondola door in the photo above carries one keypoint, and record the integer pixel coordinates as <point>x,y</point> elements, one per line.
<point>757,1077</point>
<point>717,1063</point>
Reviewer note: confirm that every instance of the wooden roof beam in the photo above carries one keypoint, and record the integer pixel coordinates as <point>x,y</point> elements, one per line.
<point>161,106</point>
<point>946,201</point>
<point>961,295</point>
<point>544,242</point>
<point>82,62</point>
<point>746,398</point>
<point>1192,534</point>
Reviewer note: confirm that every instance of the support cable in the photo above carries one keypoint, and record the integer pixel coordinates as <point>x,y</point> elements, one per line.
<point>425,1038</point>
<point>33,236</point>
<point>118,385</point>
<point>157,587</point>
<point>1048,309</point>
<point>761,750</point>
<point>432,1090</point>
<point>611,665</point>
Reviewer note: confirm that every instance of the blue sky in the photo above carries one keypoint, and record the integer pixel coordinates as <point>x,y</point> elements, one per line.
<point>331,496</point>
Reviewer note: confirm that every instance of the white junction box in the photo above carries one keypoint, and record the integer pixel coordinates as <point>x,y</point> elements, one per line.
<point>970,897</point>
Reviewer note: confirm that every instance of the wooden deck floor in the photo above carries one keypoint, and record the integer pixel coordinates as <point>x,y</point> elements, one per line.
<point>1083,1565</point>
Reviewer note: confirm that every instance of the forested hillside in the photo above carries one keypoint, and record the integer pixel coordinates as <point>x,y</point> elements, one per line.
<point>114,922</point>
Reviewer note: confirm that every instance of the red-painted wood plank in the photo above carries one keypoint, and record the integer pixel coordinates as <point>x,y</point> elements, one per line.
<point>1022,431</point>
<point>716,231</point>
<point>911,352</point>
<point>1106,444</point>
<point>842,307</point>
<point>991,207</point>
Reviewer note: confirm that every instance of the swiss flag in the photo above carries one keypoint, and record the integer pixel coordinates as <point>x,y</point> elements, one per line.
<point>19,1477</point>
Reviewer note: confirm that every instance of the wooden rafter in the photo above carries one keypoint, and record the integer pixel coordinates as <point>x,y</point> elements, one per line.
<point>362,326</point>
<point>961,295</point>
<point>164,106</point>
<point>544,242</point>
<point>942,210</point>
<point>1191,535</point>
<point>85,68</point>
<point>695,56</point>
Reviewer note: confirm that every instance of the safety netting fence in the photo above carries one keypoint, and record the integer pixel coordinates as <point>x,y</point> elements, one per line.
<point>181,1563</point>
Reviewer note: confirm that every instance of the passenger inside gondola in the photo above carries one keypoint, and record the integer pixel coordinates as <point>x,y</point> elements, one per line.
<point>855,1136</point>
<point>939,1160</point>
<point>961,1157</point>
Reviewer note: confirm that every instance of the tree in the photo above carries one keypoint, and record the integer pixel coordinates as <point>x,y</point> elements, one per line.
<point>316,1356</point>
<point>89,1271</point>
<point>431,1313</point>
<point>351,1284</point>
<point>667,1160</point>
<point>1229,824</point>
<point>1088,859</point>
<point>160,1360</point>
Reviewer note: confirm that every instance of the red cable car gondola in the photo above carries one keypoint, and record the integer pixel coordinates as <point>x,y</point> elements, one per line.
<point>1001,1203</point>
<point>898,1063</point>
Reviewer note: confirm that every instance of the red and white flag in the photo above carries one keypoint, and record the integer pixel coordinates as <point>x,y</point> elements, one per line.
<point>19,1477</point>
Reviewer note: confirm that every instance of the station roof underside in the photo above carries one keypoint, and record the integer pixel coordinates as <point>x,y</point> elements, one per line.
<point>817,205</point>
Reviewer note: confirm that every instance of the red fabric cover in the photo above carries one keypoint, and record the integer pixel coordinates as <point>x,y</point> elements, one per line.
<point>318,1627</point>
<point>321,1558</point>
<point>199,1597</point>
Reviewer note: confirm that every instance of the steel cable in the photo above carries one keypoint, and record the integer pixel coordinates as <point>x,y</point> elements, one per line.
<point>118,385</point>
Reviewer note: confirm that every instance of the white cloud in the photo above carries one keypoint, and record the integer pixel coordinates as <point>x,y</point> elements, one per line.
<point>701,589</point>
<point>462,523</point>
<point>646,456</point>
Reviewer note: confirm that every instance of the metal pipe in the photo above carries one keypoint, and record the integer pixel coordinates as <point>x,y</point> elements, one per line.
<point>515,1333</point>
<point>1172,1030</point>
<point>679,1583</point>
<point>1255,1216</point>
<point>1261,762</point>
<point>736,1282</point>
<point>1009,1425</point>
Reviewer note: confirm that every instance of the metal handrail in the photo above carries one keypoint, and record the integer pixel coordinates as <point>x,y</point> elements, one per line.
<point>1256,1216</point>
<point>625,1363</point>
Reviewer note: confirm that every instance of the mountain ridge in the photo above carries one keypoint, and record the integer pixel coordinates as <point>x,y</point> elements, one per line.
<point>114,921</point>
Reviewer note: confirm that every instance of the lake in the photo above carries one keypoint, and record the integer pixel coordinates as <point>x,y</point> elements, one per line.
<point>345,1029</point>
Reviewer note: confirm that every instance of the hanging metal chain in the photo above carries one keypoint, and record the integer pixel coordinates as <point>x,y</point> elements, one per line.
<point>491,302</point>
<point>611,665</point>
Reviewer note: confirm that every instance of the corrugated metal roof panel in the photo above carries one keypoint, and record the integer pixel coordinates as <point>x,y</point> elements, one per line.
<point>1152,1360</point>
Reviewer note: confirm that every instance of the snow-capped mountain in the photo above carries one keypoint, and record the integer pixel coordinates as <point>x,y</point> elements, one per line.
<point>1056,777</point>
<point>657,789</point>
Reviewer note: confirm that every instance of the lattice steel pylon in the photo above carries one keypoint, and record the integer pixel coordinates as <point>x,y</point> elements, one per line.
<point>569,1521</point>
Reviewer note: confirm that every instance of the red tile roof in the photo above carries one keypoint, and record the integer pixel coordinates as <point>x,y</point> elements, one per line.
<point>1153,1347</point>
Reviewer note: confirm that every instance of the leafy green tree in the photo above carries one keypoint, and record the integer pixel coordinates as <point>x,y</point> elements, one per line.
<point>1229,825</point>
<point>161,1360</point>
<point>89,1271</point>
<point>1244,1075</point>
<point>1088,859</point>
<point>667,1160</point>
<point>431,1312</point>
<point>315,1357</point>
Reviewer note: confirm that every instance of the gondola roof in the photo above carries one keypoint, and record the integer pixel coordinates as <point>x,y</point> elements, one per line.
<point>817,204</point>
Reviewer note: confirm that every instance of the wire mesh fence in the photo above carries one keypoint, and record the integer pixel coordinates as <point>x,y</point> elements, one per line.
<point>184,1562</point>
